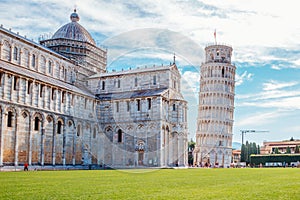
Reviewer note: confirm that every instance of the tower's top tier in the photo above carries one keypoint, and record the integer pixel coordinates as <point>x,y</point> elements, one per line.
<point>218,54</point>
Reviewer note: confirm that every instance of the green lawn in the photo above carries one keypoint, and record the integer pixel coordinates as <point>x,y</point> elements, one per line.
<point>277,183</point>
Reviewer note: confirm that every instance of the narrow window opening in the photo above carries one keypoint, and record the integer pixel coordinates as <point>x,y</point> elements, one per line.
<point>63,99</point>
<point>138,105</point>
<point>9,119</point>
<point>154,80</point>
<point>33,61</point>
<point>36,123</point>
<point>41,90</point>
<point>72,99</point>
<point>15,83</point>
<point>78,130</point>
<point>174,107</point>
<point>94,134</point>
<point>117,106</point>
<point>29,87</point>
<point>49,67</point>
<point>223,72</point>
<point>128,106</point>
<point>119,83</point>
<point>59,125</point>
<point>103,85</point>
<point>1,78</point>
<point>135,82</point>
<point>65,75</point>
<point>15,53</point>
<point>53,94</point>
<point>149,103</point>
<point>120,135</point>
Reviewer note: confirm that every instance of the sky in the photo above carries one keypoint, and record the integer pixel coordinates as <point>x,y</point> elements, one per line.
<point>265,36</point>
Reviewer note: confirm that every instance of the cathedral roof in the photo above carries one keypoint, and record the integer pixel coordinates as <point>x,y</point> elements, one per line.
<point>132,94</point>
<point>74,31</point>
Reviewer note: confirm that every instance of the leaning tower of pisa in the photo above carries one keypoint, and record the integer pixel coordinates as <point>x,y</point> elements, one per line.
<point>216,107</point>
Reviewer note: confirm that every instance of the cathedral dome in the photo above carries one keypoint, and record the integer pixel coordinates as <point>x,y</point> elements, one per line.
<point>74,31</point>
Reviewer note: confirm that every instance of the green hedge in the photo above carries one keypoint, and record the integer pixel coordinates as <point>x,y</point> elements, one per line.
<point>287,158</point>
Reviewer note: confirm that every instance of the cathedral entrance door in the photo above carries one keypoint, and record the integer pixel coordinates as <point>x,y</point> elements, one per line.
<point>141,157</point>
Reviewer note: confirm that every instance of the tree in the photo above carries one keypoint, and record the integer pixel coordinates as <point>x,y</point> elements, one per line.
<point>276,150</point>
<point>292,139</point>
<point>191,147</point>
<point>243,156</point>
<point>288,150</point>
<point>297,149</point>
<point>247,150</point>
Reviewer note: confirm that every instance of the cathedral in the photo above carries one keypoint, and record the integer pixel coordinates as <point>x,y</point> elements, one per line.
<point>59,105</point>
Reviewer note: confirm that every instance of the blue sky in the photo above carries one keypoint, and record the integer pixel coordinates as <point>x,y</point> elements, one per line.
<point>265,36</point>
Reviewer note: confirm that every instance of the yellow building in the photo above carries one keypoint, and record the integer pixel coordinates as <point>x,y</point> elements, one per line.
<point>269,147</point>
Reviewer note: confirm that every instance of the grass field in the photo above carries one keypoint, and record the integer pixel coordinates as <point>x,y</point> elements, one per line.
<point>277,183</point>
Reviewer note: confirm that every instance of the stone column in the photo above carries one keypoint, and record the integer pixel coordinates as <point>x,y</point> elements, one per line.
<point>74,146</point>
<point>53,143</point>
<point>29,141</point>
<point>64,143</point>
<point>16,140</point>
<point>171,141</point>
<point>42,144</point>
<point>1,50</point>
<point>180,151</point>
<point>167,148</point>
<point>1,135</point>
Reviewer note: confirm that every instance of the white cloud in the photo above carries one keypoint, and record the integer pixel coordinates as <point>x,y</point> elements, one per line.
<point>244,77</point>
<point>275,85</point>
<point>190,84</point>
<point>258,119</point>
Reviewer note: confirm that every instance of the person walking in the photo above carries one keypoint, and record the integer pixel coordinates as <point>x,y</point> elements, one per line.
<point>26,167</point>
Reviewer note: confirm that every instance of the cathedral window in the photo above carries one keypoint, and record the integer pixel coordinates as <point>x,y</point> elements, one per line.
<point>149,103</point>
<point>1,78</point>
<point>41,90</point>
<point>120,135</point>
<point>138,104</point>
<point>223,72</point>
<point>78,130</point>
<point>16,81</point>
<point>135,82</point>
<point>36,123</point>
<point>59,125</point>
<point>72,99</point>
<point>15,53</point>
<point>9,119</point>
<point>103,85</point>
<point>128,106</point>
<point>85,103</point>
<point>117,106</point>
<point>33,60</point>
<point>154,80</point>
<point>29,86</point>
<point>53,94</point>
<point>174,107</point>
<point>50,67</point>
<point>119,83</point>
<point>63,98</point>
<point>94,133</point>
<point>65,74</point>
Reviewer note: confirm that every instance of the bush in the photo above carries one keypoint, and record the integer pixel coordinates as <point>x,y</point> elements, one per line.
<point>287,158</point>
